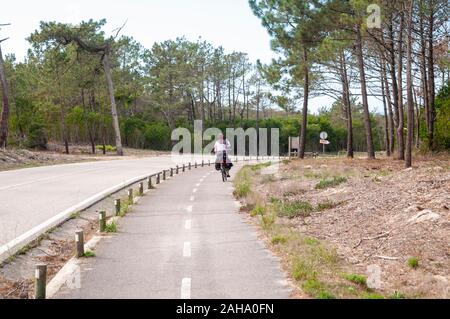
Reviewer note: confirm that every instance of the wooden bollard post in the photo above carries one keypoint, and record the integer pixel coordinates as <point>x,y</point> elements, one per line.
<point>149,182</point>
<point>102,221</point>
<point>209,162</point>
<point>141,188</point>
<point>79,243</point>
<point>40,281</point>
<point>164,175</point>
<point>171,172</point>
<point>130,196</point>
<point>177,171</point>
<point>189,165</point>
<point>184,168</point>
<point>203,163</point>
<point>158,178</point>
<point>195,164</point>
<point>117,206</point>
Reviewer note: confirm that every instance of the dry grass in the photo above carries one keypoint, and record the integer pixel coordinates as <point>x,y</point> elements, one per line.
<point>378,214</point>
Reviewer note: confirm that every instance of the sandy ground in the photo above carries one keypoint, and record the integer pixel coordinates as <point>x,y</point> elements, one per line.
<point>383,215</point>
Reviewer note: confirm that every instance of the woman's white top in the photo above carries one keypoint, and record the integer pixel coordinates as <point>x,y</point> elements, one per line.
<point>222,146</point>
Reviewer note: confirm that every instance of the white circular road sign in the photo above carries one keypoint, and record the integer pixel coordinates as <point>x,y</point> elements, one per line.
<point>323,135</point>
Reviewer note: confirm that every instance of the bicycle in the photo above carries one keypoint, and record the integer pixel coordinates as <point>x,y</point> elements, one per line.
<point>224,167</point>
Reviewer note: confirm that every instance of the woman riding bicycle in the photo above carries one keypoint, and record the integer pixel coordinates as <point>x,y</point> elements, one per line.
<point>221,149</point>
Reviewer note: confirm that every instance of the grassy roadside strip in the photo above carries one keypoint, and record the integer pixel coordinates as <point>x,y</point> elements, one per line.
<point>312,264</point>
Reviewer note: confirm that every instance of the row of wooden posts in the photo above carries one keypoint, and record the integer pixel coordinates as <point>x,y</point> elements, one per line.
<point>41,269</point>
<point>40,281</point>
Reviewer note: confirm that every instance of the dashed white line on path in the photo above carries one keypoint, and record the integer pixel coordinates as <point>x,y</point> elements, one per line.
<point>197,185</point>
<point>187,249</point>
<point>186,288</point>
<point>189,209</point>
<point>192,198</point>
<point>188,224</point>
<point>194,190</point>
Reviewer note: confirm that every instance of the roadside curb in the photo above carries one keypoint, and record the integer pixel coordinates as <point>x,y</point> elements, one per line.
<point>9,249</point>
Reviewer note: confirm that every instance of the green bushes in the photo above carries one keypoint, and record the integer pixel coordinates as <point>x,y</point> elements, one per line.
<point>157,136</point>
<point>140,133</point>
<point>108,148</point>
<point>37,136</point>
<point>294,209</point>
<point>442,133</point>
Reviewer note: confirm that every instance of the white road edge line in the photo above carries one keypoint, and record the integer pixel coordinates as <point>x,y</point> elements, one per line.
<point>194,190</point>
<point>192,198</point>
<point>189,209</point>
<point>187,249</point>
<point>188,224</point>
<point>186,288</point>
<point>14,245</point>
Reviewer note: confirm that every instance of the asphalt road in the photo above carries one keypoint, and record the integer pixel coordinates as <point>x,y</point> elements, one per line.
<point>185,239</point>
<point>29,197</point>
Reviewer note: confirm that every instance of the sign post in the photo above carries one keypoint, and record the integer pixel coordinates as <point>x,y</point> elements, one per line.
<point>323,140</point>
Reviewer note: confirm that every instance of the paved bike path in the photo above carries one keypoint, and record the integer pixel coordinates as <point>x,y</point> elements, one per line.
<point>185,239</point>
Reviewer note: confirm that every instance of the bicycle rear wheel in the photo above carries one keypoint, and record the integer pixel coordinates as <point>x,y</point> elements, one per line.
<point>224,174</point>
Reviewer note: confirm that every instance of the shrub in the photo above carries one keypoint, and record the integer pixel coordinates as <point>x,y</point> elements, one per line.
<point>242,189</point>
<point>357,279</point>
<point>108,148</point>
<point>316,289</point>
<point>260,166</point>
<point>156,136</point>
<point>302,271</point>
<point>326,183</point>
<point>267,220</point>
<point>89,254</point>
<point>294,209</point>
<point>325,206</point>
<point>111,227</point>
<point>279,240</point>
<point>311,241</point>
<point>258,210</point>
<point>37,136</point>
<point>413,262</point>
<point>242,183</point>
<point>397,295</point>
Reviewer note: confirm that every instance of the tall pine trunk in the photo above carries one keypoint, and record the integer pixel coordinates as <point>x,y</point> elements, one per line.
<point>393,75</point>
<point>386,123</point>
<point>387,94</point>
<point>431,76</point>
<point>110,86</point>
<point>347,104</point>
<point>88,126</point>
<point>5,113</point>
<point>409,88</point>
<point>423,66</point>
<point>362,73</point>
<point>401,116</point>
<point>302,142</point>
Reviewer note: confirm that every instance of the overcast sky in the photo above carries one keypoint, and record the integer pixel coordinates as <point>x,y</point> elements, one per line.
<point>229,23</point>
